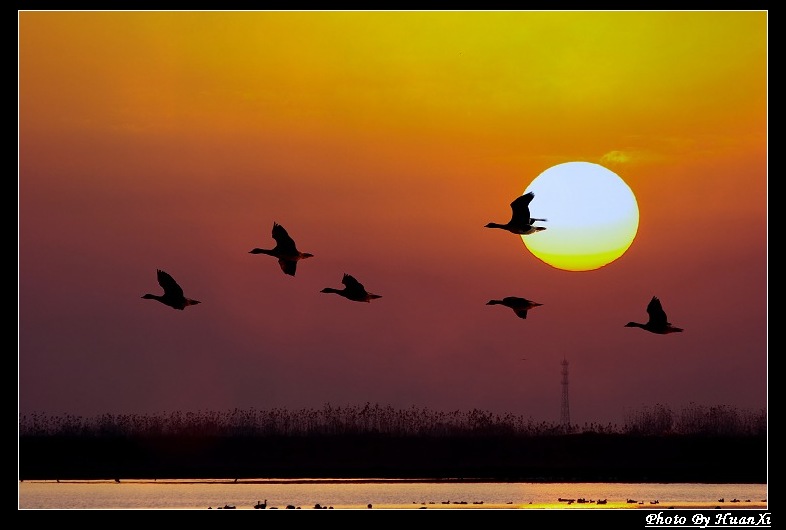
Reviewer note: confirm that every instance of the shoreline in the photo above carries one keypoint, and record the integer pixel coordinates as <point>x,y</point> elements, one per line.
<point>369,480</point>
<point>561,458</point>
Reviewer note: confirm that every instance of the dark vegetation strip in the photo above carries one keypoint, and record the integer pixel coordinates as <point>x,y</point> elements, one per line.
<point>701,444</point>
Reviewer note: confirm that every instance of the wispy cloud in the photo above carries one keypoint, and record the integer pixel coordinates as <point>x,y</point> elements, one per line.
<point>617,157</point>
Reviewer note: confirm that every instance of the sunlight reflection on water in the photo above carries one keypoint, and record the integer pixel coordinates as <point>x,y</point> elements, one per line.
<point>356,494</point>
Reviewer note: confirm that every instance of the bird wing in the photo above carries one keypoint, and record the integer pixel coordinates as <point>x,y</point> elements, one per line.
<point>169,284</point>
<point>520,312</point>
<point>352,284</point>
<point>282,238</point>
<point>520,208</point>
<point>513,301</point>
<point>288,266</point>
<point>656,312</point>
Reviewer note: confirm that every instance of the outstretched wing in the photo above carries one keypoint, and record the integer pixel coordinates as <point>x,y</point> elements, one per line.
<point>283,241</point>
<point>352,284</point>
<point>520,207</point>
<point>169,284</point>
<point>656,312</point>
<point>520,312</point>
<point>513,301</point>
<point>288,266</point>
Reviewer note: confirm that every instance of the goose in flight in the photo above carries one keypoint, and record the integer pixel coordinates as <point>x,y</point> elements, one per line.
<point>285,250</point>
<point>173,293</point>
<point>353,290</point>
<point>519,305</point>
<point>657,323</point>
<point>520,220</point>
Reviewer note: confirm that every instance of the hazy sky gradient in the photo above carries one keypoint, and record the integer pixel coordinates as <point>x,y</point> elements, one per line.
<point>384,142</point>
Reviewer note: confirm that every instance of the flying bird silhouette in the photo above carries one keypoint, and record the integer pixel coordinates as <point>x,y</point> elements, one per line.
<point>173,293</point>
<point>520,220</point>
<point>657,323</point>
<point>285,250</point>
<point>353,290</point>
<point>519,305</point>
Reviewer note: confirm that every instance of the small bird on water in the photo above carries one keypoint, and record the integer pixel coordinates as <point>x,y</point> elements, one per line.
<point>657,323</point>
<point>520,221</point>
<point>519,305</point>
<point>353,290</point>
<point>285,250</point>
<point>173,293</point>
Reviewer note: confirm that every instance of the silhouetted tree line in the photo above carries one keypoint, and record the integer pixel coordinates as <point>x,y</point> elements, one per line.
<point>654,445</point>
<point>370,419</point>
<point>694,419</point>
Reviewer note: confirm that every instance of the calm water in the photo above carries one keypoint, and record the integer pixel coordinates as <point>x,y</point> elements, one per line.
<point>383,494</point>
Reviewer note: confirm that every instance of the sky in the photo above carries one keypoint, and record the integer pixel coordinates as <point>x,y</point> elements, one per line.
<point>384,142</point>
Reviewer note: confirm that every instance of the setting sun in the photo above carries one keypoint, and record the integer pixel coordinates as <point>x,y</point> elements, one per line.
<point>592,216</point>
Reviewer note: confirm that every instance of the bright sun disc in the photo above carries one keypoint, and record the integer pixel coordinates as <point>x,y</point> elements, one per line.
<point>592,216</point>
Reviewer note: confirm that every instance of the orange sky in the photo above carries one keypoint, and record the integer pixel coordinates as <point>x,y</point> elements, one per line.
<point>384,142</point>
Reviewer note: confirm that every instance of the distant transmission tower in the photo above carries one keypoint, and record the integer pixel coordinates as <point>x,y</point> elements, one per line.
<point>564,412</point>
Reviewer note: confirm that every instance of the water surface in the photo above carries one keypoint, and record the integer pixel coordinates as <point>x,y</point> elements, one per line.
<point>381,494</point>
